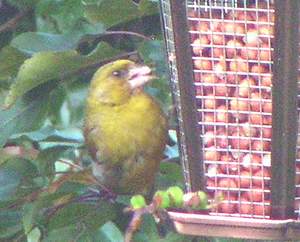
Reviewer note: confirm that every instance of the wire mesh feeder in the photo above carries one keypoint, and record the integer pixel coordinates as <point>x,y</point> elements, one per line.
<point>234,71</point>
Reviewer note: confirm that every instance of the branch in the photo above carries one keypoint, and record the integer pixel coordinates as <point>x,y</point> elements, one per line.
<point>70,163</point>
<point>127,33</point>
<point>115,32</point>
<point>98,64</point>
<point>10,24</point>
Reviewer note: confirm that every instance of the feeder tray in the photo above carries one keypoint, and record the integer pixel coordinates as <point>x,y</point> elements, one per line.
<point>233,227</point>
<point>234,80</point>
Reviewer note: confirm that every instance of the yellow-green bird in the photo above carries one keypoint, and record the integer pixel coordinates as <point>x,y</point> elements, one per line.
<point>125,128</point>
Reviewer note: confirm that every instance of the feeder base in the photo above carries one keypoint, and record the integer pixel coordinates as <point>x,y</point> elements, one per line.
<point>233,227</point>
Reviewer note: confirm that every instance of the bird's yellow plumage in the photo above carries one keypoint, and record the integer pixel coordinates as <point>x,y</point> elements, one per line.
<point>125,128</point>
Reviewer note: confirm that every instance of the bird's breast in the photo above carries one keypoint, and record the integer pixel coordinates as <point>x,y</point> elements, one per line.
<point>135,127</point>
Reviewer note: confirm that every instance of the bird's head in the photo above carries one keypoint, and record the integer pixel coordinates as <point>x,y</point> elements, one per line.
<point>115,82</point>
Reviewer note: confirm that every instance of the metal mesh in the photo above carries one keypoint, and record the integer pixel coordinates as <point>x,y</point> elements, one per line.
<point>169,38</point>
<point>232,45</point>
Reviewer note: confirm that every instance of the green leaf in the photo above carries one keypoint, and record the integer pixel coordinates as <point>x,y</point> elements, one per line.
<point>46,159</point>
<point>45,66</point>
<point>120,11</point>
<point>64,234</point>
<point>110,12</point>
<point>22,117</point>
<point>65,16</point>
<point>34,235</point>
<point>50,133</point>
<point>123,199</point>
<point>93,216</point>
<point>152,52</point>
<point>10,61</point>
<point>170,174</point>
<point>10,223</point>
<point>147,7</point>
<point>109,232</point>
<point>24,168</point>
<point>24,4</point>
<point>29,213</point>
<point>33,42</point>
<point>148,231</point>
<point>76,101</point>
<point>174,237</point>
<point>9,181</point>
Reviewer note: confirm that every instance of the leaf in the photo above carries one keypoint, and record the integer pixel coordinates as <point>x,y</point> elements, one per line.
<point>124,199</point>
<point>66,16</point>
<point>148,230</point>
<point>24,168</point>
<point>10,61</point>
<point>12,151</point>
<point>10,223</point>
<point>24,4</point>
<point>30,211</point>
<point>174,237</point>
<point>45,66</point>
<point>33,42</point>
<point>109,232</point>
<point>93,216</point>
<point>9,181</point>
<point>34,235</point>
<point>147,7</point>
<point>50,133</point>
<point>170,174</point>
<point>76,100</point>
<point>45,161</point>
<point>152,52</point>
<point>22,117</point>
<point>110,12</point>
<point>69,233</point>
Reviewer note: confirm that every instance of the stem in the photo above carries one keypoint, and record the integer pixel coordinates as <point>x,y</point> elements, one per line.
<point>127,33</point>
<point>70,163</point>
<point>10,24</point>
<point>97,64</point>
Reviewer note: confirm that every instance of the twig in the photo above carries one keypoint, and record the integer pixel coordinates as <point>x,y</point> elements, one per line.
<point>83,198</point>
<point>10,24</point>
<point>136,220</point>
<point>127,33</point>
<point>98,64</point>
<point>70,163</point>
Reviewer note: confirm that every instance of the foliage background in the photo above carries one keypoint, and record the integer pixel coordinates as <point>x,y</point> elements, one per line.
<point>49,50</point>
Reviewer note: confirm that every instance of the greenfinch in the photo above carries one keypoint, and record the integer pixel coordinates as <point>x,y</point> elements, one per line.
<point>125,128</point>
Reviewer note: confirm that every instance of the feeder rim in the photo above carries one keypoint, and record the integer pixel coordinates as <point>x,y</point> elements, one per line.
<point>231,221</point>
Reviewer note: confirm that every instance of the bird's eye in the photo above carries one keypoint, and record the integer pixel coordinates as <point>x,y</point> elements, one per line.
<point>116,73</point>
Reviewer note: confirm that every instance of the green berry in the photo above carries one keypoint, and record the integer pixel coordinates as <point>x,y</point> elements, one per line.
<point>137,202</point>
<point>195,200</point>
<point>203,201</point>
<point>176,196</point>
<point>162,199</point>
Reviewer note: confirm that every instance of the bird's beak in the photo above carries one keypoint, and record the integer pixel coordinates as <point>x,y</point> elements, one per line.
<point>139,75</point>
